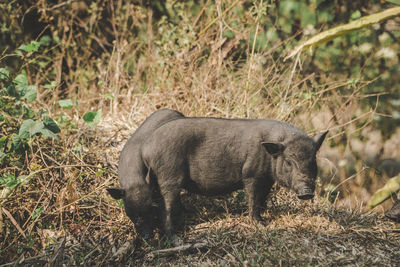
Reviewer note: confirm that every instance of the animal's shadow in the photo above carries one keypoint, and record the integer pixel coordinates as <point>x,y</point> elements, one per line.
<point>199,209</point>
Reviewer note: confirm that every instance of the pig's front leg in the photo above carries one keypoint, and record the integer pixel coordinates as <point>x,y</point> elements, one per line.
<point>257,191</point>
<point>170,208</point>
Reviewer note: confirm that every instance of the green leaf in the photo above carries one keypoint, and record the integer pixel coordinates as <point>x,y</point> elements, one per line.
<point>21,79</point>
<point>37,212</point>
<point>48,127</point>
<point>23,47</point>
<point>6,178</point>
<point>33,46</point>
<point>4,73</point>
<point>57,39</point>
<point>45,40</point>
<point>50,124</point>
<point>3,142</point>
<point>12,91</point>
<point>100,172</point>
<point>15,143</point>
<point>356,14</point>
<point>47,133</point>
<point>92,117</point>
<point>50,85</point>
<point>29,128</point>
<point>307,16</point>
<point>109,96</point>
<point>25,90</point>
<point>24,129</point>
<point>29,92</point>
<point>12,181</point>
<point>88,117</point>
<point>37,127</point>
<point>66,103</point>
<point>307,96</point>
<point>27,113</point>
<point>228,34</point>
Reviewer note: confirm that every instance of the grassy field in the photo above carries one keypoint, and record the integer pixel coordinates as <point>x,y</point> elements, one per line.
<point>80,224</point>
<point>93,230</point>
<point>54,208</point>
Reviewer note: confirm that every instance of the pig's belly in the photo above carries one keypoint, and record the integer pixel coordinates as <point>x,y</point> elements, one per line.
<point>213,186</point>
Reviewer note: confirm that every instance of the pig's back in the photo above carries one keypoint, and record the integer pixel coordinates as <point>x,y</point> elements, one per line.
<point>130,166</point>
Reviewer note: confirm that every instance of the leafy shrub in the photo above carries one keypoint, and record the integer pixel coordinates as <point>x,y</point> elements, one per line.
<point>20,122</point>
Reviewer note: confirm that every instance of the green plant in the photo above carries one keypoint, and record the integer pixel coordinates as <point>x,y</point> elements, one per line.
<point>21,122</point>
<point>92,118</point>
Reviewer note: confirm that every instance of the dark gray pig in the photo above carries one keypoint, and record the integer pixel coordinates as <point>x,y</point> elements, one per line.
<point>394,213</point>
<point>213,156</point>
<point>136,188</point>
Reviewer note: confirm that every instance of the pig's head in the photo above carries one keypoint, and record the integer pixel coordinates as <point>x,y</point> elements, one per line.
<point>295,164</point>
<point>139,208</point>
<point>394,213</point>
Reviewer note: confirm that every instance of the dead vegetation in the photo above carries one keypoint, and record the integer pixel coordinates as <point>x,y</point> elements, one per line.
<point>62,214</point>
<point>92,230</point>
<point>80,224</point>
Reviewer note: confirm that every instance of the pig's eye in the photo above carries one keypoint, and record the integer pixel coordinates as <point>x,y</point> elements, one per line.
<point>288,164</point>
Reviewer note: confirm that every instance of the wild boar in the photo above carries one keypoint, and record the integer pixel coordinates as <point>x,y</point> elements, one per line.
<point>136,188</point>
<point>213,156</point>
<point>394,213</point>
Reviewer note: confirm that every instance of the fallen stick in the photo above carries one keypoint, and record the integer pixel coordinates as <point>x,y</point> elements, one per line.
<point>169,251</point>
<point>8,214</point>
<point>122,250</point>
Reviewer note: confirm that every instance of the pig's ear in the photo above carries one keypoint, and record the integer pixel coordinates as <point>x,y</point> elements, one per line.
<point>318,139</point>
<point>116,193</point>
<point>275,149</point>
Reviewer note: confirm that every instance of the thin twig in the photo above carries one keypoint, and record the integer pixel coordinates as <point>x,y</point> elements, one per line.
<point>214,20</point>
<point>174,250</point>
<point>200,13</point>
<point>14,222</point>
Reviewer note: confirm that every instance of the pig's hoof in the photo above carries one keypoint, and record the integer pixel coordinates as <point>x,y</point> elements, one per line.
<point>147,236</point>
<point>176,241</point>
<point>257,219</point>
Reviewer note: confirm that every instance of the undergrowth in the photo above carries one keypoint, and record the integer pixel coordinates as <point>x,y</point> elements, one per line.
<point>71,97</point>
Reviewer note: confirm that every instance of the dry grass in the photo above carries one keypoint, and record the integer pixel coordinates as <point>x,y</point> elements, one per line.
<point>82,224</point>
<point>79,224</point>
<point>92,230</point>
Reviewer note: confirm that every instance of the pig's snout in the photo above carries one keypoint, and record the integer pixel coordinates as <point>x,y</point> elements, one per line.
<point>394,213</point>
<point>305,193</point>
